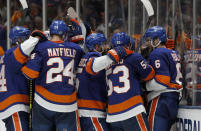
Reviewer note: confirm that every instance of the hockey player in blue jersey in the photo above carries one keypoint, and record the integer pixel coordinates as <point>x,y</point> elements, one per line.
<point>14,91</point>
<point>125,105</point>
<point>92,90</point>
<point>164,90</point>
<point>52,65</point>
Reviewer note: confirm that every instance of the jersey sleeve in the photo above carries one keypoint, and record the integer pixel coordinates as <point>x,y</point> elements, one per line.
<point>145,71</point>
<point>79,55</point>
<point>28,45</point>
<point>91,56</point>
<point>15,59</point>
<point>94,65</point>
<point>22,52</point>
<point>161,67</point>
<point>33,65</point>
<point>20,56</point>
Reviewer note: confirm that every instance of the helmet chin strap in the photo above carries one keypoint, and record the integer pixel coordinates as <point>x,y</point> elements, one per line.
<point>154,46</point>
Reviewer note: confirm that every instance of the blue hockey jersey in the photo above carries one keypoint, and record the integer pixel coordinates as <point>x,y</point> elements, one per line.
<point>168,78</point>
<point>124,89</point>
<point>14,91</point>
<point>92,90</point>
<point>53,65</point>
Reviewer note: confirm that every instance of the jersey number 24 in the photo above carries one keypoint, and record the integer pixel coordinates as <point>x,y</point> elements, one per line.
<point>57,74</point>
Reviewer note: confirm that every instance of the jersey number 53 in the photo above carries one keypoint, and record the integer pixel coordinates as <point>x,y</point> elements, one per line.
<point>124,78</point>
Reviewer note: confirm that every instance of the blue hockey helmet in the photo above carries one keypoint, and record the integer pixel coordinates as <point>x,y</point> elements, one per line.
<point>94,39</point>
<point>120,39</point>
<point>156,32</point>
<point>58,27</point>
<point>19,34</point>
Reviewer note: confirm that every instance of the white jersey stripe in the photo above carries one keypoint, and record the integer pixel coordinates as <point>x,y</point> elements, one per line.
<point>55,107</point>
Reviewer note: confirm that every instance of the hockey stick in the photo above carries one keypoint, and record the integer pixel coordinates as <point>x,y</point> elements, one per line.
<point>31,98</point>
<point>30,82</point>
<point>71,12</point>
<point>24,4</point>
<point>150,12</point>
<point>182,29</point>
<point>25,10</point>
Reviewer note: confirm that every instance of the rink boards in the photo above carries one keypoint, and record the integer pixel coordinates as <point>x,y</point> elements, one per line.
<point>189,118</point>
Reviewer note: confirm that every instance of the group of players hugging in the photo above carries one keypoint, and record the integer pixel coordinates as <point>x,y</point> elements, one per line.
<point>90,87</point>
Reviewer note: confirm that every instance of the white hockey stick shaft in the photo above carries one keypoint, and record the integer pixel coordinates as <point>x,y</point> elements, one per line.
<point>148,7</point>
<point>24,4</point>
<point>150,12</point>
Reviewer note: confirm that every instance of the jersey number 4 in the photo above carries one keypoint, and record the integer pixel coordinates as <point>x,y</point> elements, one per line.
<point>57,74</point>
<point>3,87</point>
<point>121,79</point>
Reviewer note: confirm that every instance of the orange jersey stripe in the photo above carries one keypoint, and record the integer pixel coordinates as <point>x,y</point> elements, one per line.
<point>19,56</point>
<point>74,20</point>
<point>78,121</point>
<point>125,105</point>
<point>14,99</point>
<point>76,38</point>
<point>166,80</point>
<point>60,41</point>
<point>1,51</point>
<point>163,79</point>
<point>89,66</point>
<point>114,54</point>
<point>141,122</point>
<point>172,85</point>
<point>55,98</point>
<point>91,104</point>
<point>152,113</point>
<point>96,124</point>
<point>29,72</point>
<point>16,121</point>
<point>151,75</point>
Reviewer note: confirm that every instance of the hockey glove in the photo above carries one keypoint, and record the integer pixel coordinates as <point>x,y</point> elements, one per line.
<point>75,34</point>
<point>39,34</point>
<point>118,53</point>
